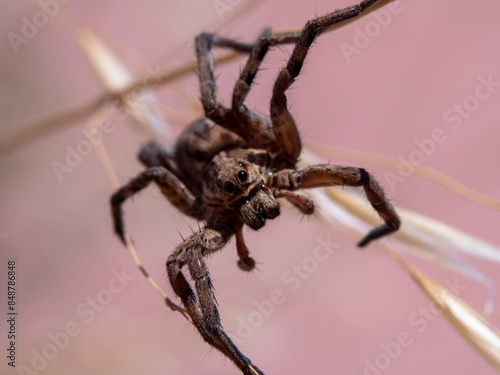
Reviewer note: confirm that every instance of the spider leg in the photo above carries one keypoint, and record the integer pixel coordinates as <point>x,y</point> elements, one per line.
<point>247,75</point>
<point>170,186</point>
<point>303,203</point>
<point>204,43</point>
<point>246,262</point>
<point>153,155</point>
<point>255,128</point>
<point>202,306</point>
<point>284,127</point>
<point>280,132</point>
<point>323,175</point>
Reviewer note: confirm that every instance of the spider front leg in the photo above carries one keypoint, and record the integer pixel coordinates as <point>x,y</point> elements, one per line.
<point>323,175</point>
<point>284,127</point>
<point>202,306</point>
<point>171,187</point>
<point>214,110</point>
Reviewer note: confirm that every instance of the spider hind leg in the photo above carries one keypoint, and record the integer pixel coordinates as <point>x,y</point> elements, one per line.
<point>202,305</point>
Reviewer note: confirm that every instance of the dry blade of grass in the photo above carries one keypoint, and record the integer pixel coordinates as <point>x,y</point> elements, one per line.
<point>418,231</point>
<point>425,237</point>
<point>473,328</point>
<point>393,163</point>
<point>351,213</point>
<point>431,240</point>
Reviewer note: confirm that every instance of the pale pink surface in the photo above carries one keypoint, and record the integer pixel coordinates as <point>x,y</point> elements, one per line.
<point>427,58</point>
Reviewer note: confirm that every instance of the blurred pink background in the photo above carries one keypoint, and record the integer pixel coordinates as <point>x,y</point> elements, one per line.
<point>416,65</point>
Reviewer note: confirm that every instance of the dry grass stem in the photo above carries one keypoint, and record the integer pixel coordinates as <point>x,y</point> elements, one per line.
<point>474,329</point>
<point>422,236</point>
<point>431,240</point>
<point>351,213</point>
<point>30,132</point>
<point>393,163</point>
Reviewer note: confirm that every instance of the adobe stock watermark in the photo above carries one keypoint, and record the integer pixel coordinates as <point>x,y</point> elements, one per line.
<point>75,155</point>
<point>86,312</point>
<point>30,26</point>
<point>454,117</point>
<point>293,279</point>
<point>363,37</point>
<point>225,6</point>
<point>418,322</point>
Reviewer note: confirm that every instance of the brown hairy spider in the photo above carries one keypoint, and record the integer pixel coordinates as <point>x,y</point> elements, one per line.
<point>231,167</point>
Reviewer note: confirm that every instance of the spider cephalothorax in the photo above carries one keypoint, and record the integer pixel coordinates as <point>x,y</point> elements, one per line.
<point>230,169</point>
<point>233,181</point>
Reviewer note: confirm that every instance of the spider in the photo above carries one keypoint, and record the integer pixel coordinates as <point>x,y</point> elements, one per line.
<point>231,167</point>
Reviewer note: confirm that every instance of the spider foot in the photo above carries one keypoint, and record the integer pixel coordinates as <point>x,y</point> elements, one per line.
<point>246,264</point>
<point>378,232</point>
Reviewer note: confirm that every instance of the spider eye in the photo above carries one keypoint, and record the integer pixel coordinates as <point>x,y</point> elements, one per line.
<point>242,176</point>
<point>229,187</point>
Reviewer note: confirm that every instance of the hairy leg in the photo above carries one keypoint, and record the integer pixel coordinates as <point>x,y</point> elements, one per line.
<point>279,133</point>
<point>303,203</point>
<point>171,187</point>
<point>283,123</point>
<point>323,175</point>
<point>214,110</point>
<point>202,305</point>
